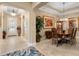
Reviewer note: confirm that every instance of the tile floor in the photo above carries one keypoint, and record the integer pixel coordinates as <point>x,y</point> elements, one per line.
<point>46,48</point>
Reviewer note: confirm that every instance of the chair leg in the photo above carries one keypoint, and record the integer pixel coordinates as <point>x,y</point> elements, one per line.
<point>72,43</point>
<point>57,43</point>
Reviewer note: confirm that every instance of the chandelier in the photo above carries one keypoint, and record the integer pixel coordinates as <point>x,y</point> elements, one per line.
<point>63,17</point>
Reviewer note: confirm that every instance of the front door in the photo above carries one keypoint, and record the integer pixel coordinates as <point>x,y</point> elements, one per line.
<point>12,26</point>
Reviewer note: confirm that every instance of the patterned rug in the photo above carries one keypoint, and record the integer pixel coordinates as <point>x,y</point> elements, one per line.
<point>31,51</point>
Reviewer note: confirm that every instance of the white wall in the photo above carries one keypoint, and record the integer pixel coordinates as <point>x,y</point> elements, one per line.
<point>32,28</point>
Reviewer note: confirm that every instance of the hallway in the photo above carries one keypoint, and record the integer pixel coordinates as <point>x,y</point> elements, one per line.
<point>12,44</point>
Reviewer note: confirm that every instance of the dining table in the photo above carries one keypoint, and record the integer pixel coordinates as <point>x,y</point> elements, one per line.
<point>62,35</point>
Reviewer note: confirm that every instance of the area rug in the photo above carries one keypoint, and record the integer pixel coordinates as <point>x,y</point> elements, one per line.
<point>31,51</point>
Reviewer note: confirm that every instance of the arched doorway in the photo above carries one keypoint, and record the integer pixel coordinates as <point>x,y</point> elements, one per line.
<point>14,21</point>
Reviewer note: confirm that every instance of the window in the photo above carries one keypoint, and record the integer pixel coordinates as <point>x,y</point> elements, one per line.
<point>12,24</point>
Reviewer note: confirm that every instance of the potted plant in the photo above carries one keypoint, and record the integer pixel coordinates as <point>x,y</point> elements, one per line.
<point>39,26</point>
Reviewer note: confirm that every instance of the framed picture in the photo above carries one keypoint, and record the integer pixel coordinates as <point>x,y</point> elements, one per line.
<point>48,22</point>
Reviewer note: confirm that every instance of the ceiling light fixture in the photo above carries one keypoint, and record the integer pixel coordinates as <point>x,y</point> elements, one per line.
<point>13,13</point>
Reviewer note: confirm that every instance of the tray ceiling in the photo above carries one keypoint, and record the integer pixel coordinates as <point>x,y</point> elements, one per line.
<point>57,8</point>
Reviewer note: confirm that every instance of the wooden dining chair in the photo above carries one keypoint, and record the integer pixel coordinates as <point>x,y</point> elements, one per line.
<point>72,38</point>
<point>54,36</point>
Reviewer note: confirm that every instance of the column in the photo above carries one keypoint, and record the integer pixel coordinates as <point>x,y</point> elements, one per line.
<point>21,26</point>
<point>2,22</point>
